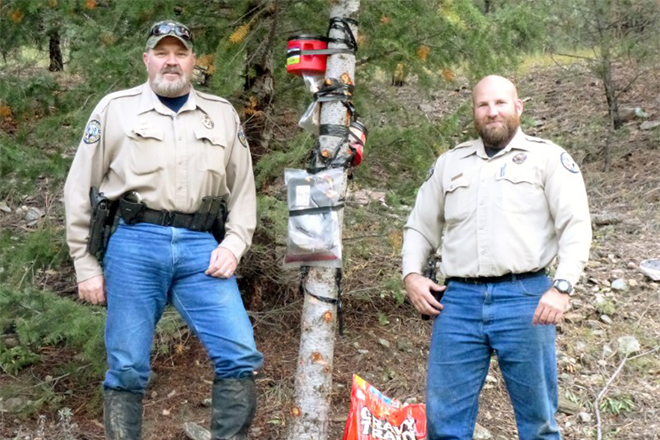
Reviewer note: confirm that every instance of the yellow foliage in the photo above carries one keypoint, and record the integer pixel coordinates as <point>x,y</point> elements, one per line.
<point>5,111</point>
<point>447,74</point>
<point>52,3</point>
<point>385,19</point>
<point>361,39</point>
<point>207,63</point>
<point>239,34</point>
<point>251,108</point>
<point>17,16</point>
<point>423,52</point>
<point>449,13</point>
<point>90,4</point>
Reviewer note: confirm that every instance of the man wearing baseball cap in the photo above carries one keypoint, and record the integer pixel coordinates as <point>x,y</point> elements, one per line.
<point>174,168</point>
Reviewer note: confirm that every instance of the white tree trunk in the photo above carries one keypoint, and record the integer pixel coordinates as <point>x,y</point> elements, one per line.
<point>313,381</point>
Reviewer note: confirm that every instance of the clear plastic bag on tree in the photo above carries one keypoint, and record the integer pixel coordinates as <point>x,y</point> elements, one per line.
<point>315,203</point>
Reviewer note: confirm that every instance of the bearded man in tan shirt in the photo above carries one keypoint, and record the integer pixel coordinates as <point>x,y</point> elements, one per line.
<point>502,207</point>
<point>160,152</point>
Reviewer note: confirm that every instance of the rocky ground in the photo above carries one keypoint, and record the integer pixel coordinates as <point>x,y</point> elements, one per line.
<point>607,346</point>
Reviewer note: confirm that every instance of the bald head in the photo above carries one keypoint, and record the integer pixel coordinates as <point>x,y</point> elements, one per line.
<point>494,83</point>
<point>497,110</point>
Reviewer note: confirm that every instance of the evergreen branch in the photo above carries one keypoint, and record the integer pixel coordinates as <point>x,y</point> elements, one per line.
<point>632,81</point>
<point>570,55</point>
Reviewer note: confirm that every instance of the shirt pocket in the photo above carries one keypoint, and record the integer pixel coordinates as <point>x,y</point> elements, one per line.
<point>518,191</point>
<point>210,152</point>
<point>146,150</point>
<point>458,202</point>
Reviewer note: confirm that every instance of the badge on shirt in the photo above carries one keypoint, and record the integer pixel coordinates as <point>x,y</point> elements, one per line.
<point>242,138</point>
<point>569,163</point>
<point>519,158</point>
<point>92,132</point>
<point>207,121</point>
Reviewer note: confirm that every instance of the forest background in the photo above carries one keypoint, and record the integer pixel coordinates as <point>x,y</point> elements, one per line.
<point>587,70</point>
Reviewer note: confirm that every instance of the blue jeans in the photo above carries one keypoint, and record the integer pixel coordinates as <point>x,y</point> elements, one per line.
<point>477,320</point>
<point>148,266</point>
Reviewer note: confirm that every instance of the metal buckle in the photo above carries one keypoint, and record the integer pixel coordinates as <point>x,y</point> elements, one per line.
<point>167,218</point>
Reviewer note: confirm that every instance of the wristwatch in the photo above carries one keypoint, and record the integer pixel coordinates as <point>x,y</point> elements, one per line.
<point>563,286</point>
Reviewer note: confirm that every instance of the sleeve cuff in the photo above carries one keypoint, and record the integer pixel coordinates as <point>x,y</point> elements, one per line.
<point>87,267</point>
<point>235,245</point>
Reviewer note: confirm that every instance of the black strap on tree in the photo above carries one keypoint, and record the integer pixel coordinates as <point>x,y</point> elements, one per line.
<point>333,90</point>
<point>349,41</point>
<point>304,272</point>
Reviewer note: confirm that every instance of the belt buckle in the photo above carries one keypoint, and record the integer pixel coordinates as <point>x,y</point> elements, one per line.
<point>167,218</point>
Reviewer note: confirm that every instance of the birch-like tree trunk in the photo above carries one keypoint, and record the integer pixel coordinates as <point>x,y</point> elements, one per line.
<point>313,381</point>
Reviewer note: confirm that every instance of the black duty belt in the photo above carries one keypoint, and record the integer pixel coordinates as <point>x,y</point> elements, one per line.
<point>506,278</point>
<point>165,218</point>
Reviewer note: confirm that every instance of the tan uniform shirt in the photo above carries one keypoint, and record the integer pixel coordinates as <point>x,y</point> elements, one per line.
<point>134,143</point>
<point>512,213</point>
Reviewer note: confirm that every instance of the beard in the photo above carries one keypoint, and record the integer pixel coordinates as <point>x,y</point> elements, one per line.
<point>497,136</point>
<point>170,89</point>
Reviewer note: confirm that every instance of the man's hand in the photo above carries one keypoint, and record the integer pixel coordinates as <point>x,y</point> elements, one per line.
<point>419,290</point>
<point>551,308</point>
<point>92,290</point>
<point>223,263</point>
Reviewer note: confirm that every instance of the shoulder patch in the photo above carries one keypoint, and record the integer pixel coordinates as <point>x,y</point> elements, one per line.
<point>92,132</point>
<point>569,163</point>
<point>241,137</point>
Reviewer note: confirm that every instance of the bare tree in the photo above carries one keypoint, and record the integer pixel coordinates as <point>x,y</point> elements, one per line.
<point>313,381</point>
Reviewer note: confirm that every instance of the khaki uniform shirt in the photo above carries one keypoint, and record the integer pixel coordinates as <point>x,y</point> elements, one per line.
<point>512,213</point>
<point>135,143</point>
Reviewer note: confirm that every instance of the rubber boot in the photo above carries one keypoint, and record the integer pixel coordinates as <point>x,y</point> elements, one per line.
<point>122,415</point>
<point>234,404</point>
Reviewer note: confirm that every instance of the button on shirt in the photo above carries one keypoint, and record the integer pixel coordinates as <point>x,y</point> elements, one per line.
<point>135,143</point>
<point>512,213</point>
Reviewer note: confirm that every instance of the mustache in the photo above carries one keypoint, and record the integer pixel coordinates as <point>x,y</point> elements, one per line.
<point>171,69</point>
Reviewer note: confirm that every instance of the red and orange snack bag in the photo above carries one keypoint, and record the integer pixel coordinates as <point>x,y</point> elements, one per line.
<point>374,416</point>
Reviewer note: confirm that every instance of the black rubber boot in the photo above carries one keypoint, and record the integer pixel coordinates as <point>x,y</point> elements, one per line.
<point>234,404</point>
<point>122,415</point>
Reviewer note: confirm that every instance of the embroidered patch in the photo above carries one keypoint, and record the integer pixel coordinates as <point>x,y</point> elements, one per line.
<point>519,158</point>
<point>207,121</point>
<point>242,138</point>
<point>92,132</point>
<point>568,163</point>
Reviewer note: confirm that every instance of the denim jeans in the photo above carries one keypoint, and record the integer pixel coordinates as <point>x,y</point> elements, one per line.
<point>477,320</point>
<point>146,267</point>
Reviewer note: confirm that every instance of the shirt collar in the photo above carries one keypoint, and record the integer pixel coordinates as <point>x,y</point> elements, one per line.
<point>518,142</point>
<point>149,101</point>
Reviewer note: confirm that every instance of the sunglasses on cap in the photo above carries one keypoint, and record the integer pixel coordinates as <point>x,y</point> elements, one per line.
<point>179,30</point>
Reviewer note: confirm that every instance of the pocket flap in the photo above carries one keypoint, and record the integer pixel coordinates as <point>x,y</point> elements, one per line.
<point>147,133</point>
<point>460,181</point>
<point>526,175</point>
<point>210,138</point>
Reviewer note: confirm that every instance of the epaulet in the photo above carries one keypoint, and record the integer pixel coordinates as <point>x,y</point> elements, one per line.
<point>543,142</point>
<point>107,99</point>
<point>465,144</point>
<point>537,140</point>
<point>210,97</point>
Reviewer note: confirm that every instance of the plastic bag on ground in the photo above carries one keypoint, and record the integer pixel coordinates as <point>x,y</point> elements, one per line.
<point>374,416</point>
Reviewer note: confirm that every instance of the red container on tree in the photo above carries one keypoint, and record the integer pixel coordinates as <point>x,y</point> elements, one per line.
<point>299,64</point>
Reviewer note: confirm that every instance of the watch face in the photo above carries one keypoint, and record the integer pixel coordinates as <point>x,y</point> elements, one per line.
<point>563,286</point>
